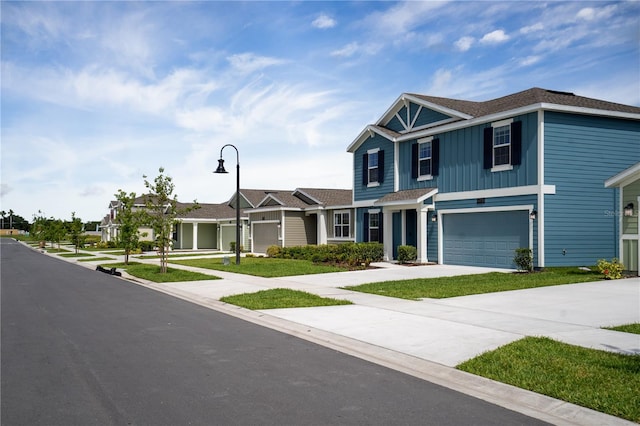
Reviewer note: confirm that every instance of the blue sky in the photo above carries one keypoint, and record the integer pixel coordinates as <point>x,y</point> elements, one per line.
<point>97,94</point>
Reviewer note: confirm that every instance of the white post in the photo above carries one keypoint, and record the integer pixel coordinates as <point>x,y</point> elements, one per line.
<point>195,236</point>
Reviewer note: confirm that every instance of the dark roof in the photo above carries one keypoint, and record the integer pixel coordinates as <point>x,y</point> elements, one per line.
<point>255,196</point>
<point>207,211</point>
<point>329,197</point>
<point>409,195</point>
<point>528,97</point>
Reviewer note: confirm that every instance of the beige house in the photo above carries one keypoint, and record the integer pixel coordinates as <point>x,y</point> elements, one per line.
<point>628,184</point>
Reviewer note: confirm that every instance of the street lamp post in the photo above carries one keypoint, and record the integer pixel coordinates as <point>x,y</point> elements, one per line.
<point>221,169</point>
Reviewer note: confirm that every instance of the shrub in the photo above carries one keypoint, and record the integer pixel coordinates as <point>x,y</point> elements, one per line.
<point>524,259</point>
<point>407,254</point>
<point>273,251</point>
<point>232,247</point>
<point>146,245</point>
<point>611,270</point>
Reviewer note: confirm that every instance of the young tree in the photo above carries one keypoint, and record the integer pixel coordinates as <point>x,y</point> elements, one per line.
<point>161,212</point>
<point>55,231</point>
<point>75,231</point>
<point>128,222</point>
<point>38,228</point>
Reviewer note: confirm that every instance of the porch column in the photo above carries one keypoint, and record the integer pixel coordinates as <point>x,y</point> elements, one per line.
<point>195,236</point>
<point>422,235</point>
<point>321,224</point>
<point>387,233</point>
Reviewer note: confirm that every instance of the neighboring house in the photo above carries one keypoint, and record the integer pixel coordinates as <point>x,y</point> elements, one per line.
<point>626,213</point>
<point>109,225</point>
<point>301,217</point>
<point>268,217</point>
<point>468,182</point>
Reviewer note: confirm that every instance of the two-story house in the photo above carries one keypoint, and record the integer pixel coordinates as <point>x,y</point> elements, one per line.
<point>469,182</point>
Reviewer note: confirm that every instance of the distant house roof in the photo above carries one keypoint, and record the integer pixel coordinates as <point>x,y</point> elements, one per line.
<point>460,112</point>
<point>304,198</point>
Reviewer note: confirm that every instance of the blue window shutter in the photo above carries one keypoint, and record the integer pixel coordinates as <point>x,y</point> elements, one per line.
<point>516,143</point>
<point>488,147</point>
<point>365,169</point>
<point>365,237</point>
<point>380,228</point>
<point>380,166</point>
<point>435,156</point>
<point>414,161</point>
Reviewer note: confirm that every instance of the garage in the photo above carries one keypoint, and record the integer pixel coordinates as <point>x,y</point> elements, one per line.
<point>484,239</point>
<point>264,235</point>
<point>228,235</point>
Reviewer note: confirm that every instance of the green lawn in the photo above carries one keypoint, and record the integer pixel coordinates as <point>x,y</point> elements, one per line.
<point>95,259</point>
<point>55,250</point>
<point>627,328</point>
<point>281,298</point>
<point>152,273</point>
<point>599,380</point>
<point>263,266</point>
<point>439,288</point>
<point>173,254</point>
<point>76,255</point>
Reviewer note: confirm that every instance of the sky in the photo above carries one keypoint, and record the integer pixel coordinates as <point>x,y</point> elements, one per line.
<point>96,95</point>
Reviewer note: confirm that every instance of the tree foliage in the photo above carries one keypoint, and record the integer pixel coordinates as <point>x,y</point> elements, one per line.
<point>76,231</point>
<point>128,222</point>
<point>161,212</point>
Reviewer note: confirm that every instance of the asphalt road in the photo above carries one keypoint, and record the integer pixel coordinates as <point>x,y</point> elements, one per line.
<point>79,347</point>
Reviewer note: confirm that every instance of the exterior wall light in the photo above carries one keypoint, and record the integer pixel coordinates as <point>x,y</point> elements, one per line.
<point>628,209</point>
<point>533,215</point>
<point>434,217</point>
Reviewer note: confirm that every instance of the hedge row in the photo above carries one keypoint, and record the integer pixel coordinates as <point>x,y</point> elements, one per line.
<point>353,254</point>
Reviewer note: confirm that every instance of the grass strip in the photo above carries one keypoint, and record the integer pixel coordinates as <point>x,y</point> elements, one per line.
<point>626,328</point>
<point>263,266</point>
<point>55,250</point>
<point>157,256</point>
<point>96,259</point>
<point>152,273</point>
<point>603,381</point>
<point>464,285</point>
<point>76,255</point>
<point>281,298</point>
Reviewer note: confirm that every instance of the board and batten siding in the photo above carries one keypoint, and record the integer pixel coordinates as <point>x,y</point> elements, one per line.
<point>362,192</point>
<point>331,221</point>
<point>581,152</point>
<point>300,230</point>
<point>461,163</point>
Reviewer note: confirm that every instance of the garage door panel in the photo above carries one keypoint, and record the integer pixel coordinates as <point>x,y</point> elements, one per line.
<point>264,235</point>
<point>484,239</point>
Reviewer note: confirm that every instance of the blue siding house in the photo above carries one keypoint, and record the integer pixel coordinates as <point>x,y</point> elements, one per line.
<point>469,182</point>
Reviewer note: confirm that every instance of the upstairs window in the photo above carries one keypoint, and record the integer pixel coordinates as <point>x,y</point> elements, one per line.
<point>373,167</point>
<point>503,145</point>
<point>341,224</point>
<point>425,158</point>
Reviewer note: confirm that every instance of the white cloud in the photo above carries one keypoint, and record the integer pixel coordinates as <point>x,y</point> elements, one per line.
<point>323,22</point>
<point>464,43</point>
<point>590,13</point>
<point>538,26</point>
<point>494,37</point>
<point>402,17</point>
<point>248,63</point>
<point>347,51</point>
<point>5,189</point>
<point>529,60</point>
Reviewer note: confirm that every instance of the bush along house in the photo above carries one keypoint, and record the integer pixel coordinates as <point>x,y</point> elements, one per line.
<point>468,182</point>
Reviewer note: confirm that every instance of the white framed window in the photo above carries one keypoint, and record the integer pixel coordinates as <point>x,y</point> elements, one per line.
<point>374,226</point>
<point>502,146</point>
<point>424,159</point>
<point>373,168</point>
<point>341,224</point>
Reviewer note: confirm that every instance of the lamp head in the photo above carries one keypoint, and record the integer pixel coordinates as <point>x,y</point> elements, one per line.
<point>220,168</point>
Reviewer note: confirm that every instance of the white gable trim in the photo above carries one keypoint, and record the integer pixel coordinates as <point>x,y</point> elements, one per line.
<point>624,177</point>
